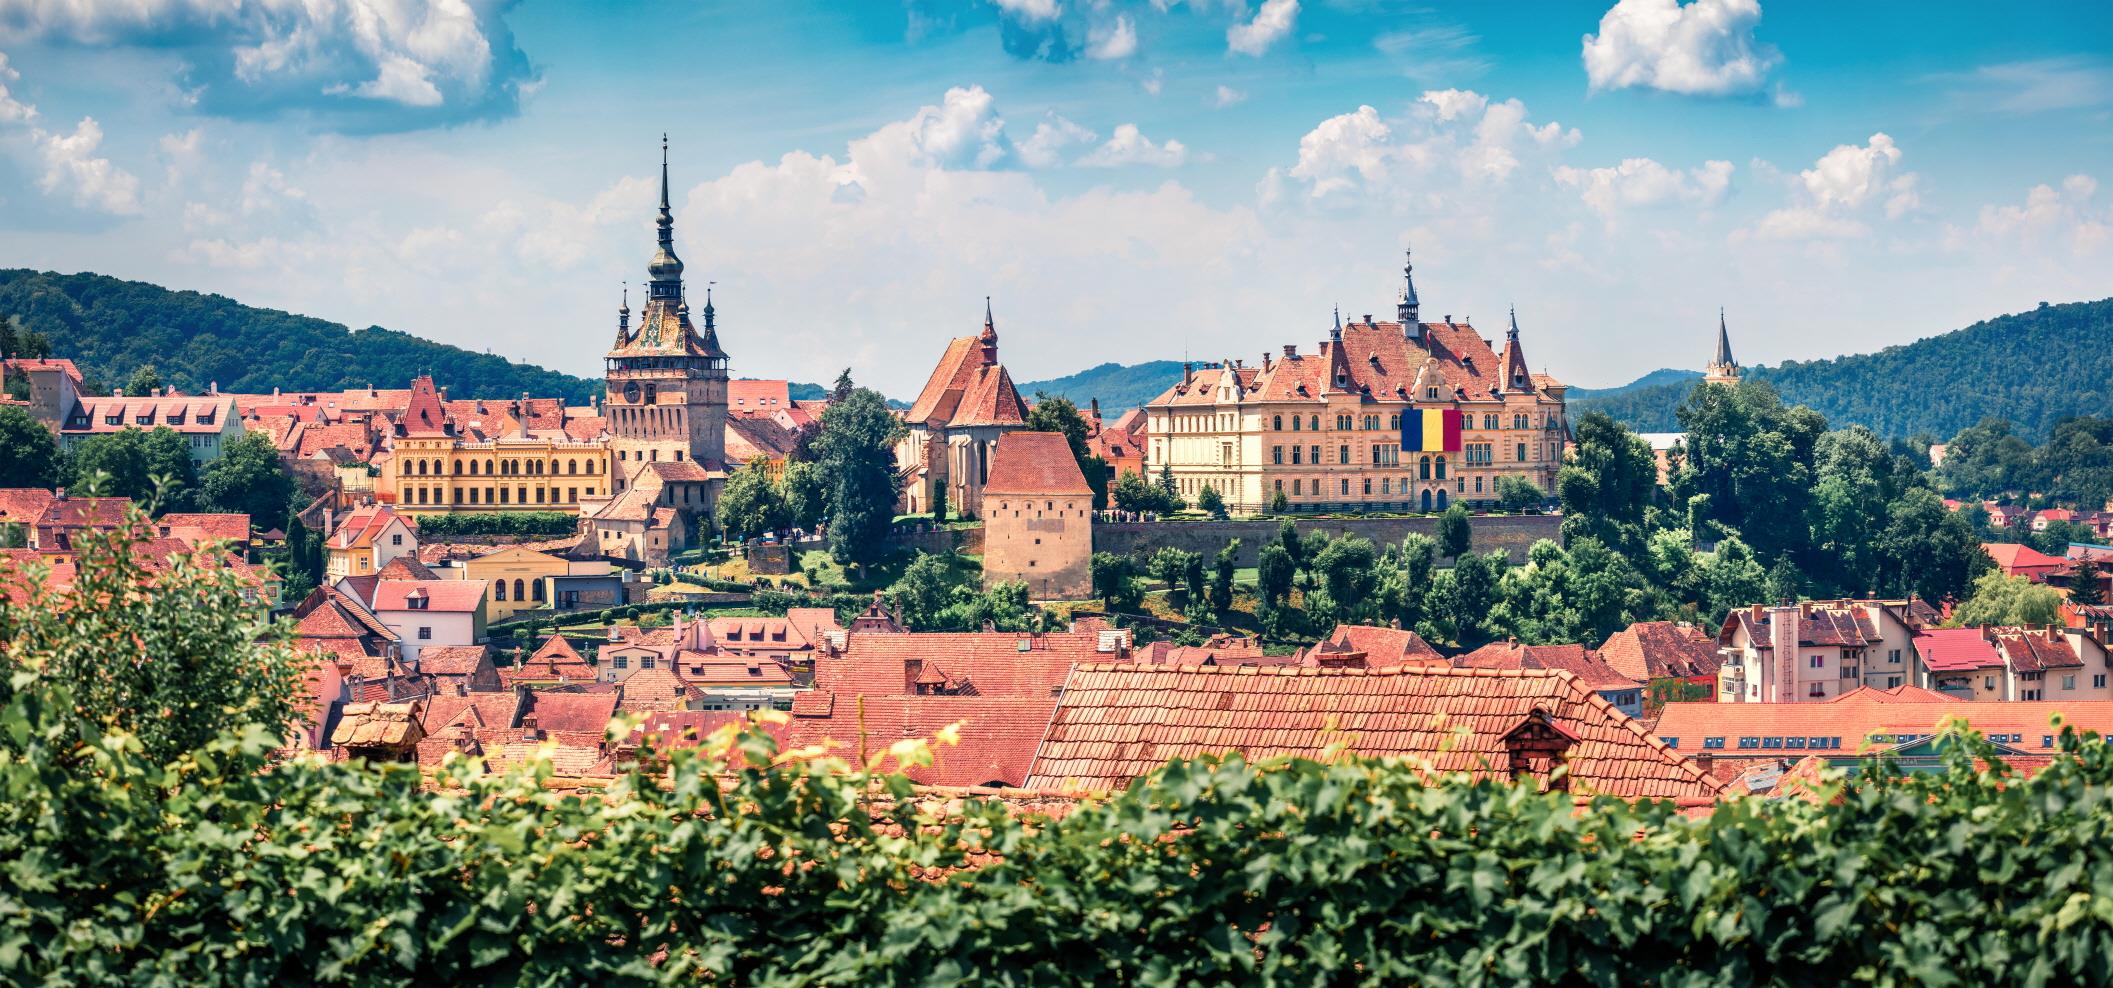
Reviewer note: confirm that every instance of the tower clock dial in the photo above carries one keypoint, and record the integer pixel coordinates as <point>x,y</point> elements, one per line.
<point>631,392</point>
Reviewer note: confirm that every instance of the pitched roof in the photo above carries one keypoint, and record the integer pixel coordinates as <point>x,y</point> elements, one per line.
<point>2011,557</point>
<point>1661,650</point>
<point>571,712</point>
<point>220,527</point>
<point>441,595</point>
<point>748,437</point>
<point>1852,721</point>
<point>23,505</point>
<point>950,378</point>
<point>84,512</point>
<point>2035,650</point>
<point>984,663</point>
<point>1376,358</point>
<point>1035,463</point>
<point>1955,650</point>
<point>424,415</point>
<point>998,734</point>
<point>1383,647</point>
<point>990,399</point>
<point>747,396</point>
<point>1573,659</point>
<point>404,567</point>
<point>1115,723</point>
<point>360,528</point>
<point>452,660</point>
<point>189,414</point>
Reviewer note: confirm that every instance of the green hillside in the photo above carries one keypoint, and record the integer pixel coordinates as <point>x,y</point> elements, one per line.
<point>1119,387</point>
<point>110,327</point>
<point>1663,375</point>
<point>2033,368</point>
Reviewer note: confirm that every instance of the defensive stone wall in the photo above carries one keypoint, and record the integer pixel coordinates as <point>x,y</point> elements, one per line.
<point>1513,533</point>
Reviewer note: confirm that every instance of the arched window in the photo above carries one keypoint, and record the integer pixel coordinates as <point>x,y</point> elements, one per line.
<point>1294,423</point>
<point>572,466</point>
<point>1427,500</point>
<point>591,467</point>
<point>535,590</point>
<point>1441,499</point>
<point>1277,423</point>
<point>1441,468</point>
<point>1315,425</point>
<point>498,589</point>
<point>458,468</point>
<point>1423,468</point>
<point>518,590</point>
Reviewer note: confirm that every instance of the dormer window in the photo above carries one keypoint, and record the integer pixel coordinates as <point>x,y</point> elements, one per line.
<point>1430,394</point>
<point>114,418</point>
<point>144,418</point>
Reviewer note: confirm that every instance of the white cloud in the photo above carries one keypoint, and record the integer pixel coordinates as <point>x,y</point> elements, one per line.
<point>1270,25</point>
<point>1644,183</point>
<point>1703,48</point>
<point>12,110</point>
<point>1031,11</point>
<point>1128,146</point>
<point>70,166</point>
<point>2034,86</point>
<point>1829,198</point>
<point>267,191</point>
<point>1155,82</point>
<point>1045,147</point>
<point>2070,215</point>
<point>963,131</point>
<point>1112,41</point>
<point>1227,96</point>
<point>452,58</point>
<point>1451,133</point>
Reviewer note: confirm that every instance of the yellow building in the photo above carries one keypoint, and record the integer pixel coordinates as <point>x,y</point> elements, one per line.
<point>516,577</point>
<point>438,463</point>
<point>1325,429</point>
<point>366,540</point>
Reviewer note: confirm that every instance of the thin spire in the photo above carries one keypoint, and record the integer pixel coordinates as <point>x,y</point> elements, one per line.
<point>665,269</point>
<point>663,172</point>
<point>1409,310</point>
<point>708,311</point>
<point>1514,331</point>
<point>1338,320</point>
<point>1724,357</point>
<point>988,323</point>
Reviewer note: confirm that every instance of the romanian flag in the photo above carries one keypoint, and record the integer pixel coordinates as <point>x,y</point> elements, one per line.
<point>1431,430</point>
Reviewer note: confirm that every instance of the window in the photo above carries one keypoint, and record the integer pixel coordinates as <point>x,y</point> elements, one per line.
<point>1315,452</point>
<point>1749,742</point>
<point>1672,742</point>
<point>1893,656</point>
<point>645,662</point>
<point>1346,486</point>
<point>1280,484</point>
<point>2098,681</point>
<point>1819,662</point>
<point>1296,484</point>
<point>397,539</point>
<point>2046,740</point>
<point>498,589</point>
<point>1892,682</point>
<point>2068,682</point>
<point>1314,422</point>
<point>1277,422</point>
<point>1522,452</point>
<point>1276,454</point>
<point>1713,742</point>
<point>425,634</point>
<point>1342,454</point>
<point>1818,689</point>
<point>623,662</point>
<point>1368,490</point>
<point>1294,423</point>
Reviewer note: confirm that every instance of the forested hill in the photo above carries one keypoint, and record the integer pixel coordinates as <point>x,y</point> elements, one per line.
<point>1663,375</point>
<point>110,327</point>
<point>2033,368</point>
<point>1119,387</point>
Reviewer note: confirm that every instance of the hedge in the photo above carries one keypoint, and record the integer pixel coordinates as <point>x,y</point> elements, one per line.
<point>208,871</point>
<point>552,524</point>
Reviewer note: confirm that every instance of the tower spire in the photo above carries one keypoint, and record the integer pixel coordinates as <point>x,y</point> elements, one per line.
<point>623,318</point>
<point>1337,333</point>
<point>665,268</point>
<point>1513,333</point>
<point>1722,369</point>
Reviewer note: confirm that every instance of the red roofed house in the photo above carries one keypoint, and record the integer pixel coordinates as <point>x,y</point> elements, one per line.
<point>459,668</point>
<point>425,613</point>
<point>365,540</point>
<point>979,663</point>
<point>1038,518</point>
<point>1675,661</point>
<point>1325,429</point>
<point>2013,664</point>
<point>64,517</point>
<point>196,529</point>
<point>1818,649</point>
<point>347,642</point>
<point>1121,442</point>
<point>207,422</point>
<point>954,425</point>
<point>1360,646</point>
<point>1624,693</point>
<point>1115,723</point>
<point>2022,560</point>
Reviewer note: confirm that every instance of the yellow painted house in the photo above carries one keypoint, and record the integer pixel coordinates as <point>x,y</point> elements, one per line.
<point>516,577</point>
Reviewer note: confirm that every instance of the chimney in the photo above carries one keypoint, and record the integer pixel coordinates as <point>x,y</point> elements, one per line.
<point>1705,761</point>
<point>1291,349</point>
<point>1265,360</point>
<point>1095,404</point>
<point>1783,642</point>
<point>1188,371</point>
<point>1448,320</point>
<point>1368,319</point>
<point>212,387</point>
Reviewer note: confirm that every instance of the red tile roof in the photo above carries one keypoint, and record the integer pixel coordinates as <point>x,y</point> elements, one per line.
<point>1574,659</point>
<point>2014,559</point>
<point>2031,650</point>
<point>424,415</point>
<point>990,399</point>
<point>1037,463</point>
<point>575,713</point>
<point>1115,723</point>
<point>1376,358</point>
<point>452,660</point>
<point>215,527</point>
<point>942,391</point>
<point>1384,647</point>
<point>189,414</point>
<point>441,595</point>
<point>1955,650</point>
<point>23,505</point>
<point>361,527</point>
<point>984,663</point>
<point>998,734</point>
<point>1661,650</point>
<point>750,397</point>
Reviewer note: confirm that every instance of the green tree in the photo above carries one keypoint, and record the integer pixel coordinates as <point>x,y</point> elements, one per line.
<point>1346,570</point>
<point>1115,581</point>
<point>1753,457</point>
<point>1210,500</point>
<point>1223,569</point>
<point>1294,547</point>
<point>1057,414</point>
<point>29,456</point>
<point>2008,600</point>
<point>1732,578</point>
<point>1134,495</point>
<point>927,587</point>
<point>806,495</point>
<point>1471,593</point>
<point>751,505</point>
<point>138,464</point>
<point>1170,498</point>
<point>169,659</point>
<point>1608,485</point>
<point>1278,503</point>
<point>1927,550</point>
<point>145,381</point>
<point>1274,570</point>
<point>248,478</point>
<point>1169,565</point>
<point>2085,586</point>
<point>1455,534</point>
<point>939,502</point>
<point>1518,493</point>
<point>855,455</point>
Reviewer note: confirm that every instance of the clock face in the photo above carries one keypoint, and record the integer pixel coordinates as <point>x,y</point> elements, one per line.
<point>631,392</point>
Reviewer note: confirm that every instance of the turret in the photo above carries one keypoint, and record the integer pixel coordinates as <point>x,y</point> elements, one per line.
<point>1409,310</point>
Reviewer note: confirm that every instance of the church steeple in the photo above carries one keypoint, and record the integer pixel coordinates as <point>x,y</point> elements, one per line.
<point>1722,369</point>
<point>1512,334</point>
<point>1409,309</point>
<point>623,318</point>
<point>665,269</point>
<point>988,340</point>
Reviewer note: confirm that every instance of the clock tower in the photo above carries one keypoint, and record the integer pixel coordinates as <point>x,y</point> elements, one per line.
<point>666,379</point>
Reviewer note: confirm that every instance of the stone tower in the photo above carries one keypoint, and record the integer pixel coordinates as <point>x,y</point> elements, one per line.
<point>666,378</point>
<point>1722,369</point>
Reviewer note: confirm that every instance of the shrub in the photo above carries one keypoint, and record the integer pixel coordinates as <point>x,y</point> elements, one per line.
<point>547,524</point>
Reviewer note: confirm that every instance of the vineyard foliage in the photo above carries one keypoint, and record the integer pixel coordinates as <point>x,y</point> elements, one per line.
<point>221,864</point>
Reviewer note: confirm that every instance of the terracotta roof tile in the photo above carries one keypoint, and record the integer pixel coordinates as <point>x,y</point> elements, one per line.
<point>1035,463</point>
<point>441,595</point>
<point>998,734</point>
<point>981,663</point>
<point>1115,723</point>
<point>1574,659</point>
<point>1661,650</point>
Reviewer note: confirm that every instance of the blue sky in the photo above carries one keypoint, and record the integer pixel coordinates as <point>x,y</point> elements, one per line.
<point>1130,179</point>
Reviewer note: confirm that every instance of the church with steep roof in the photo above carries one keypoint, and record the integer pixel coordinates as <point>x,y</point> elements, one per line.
<point>954,425</point>
<point>1722,369</point>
